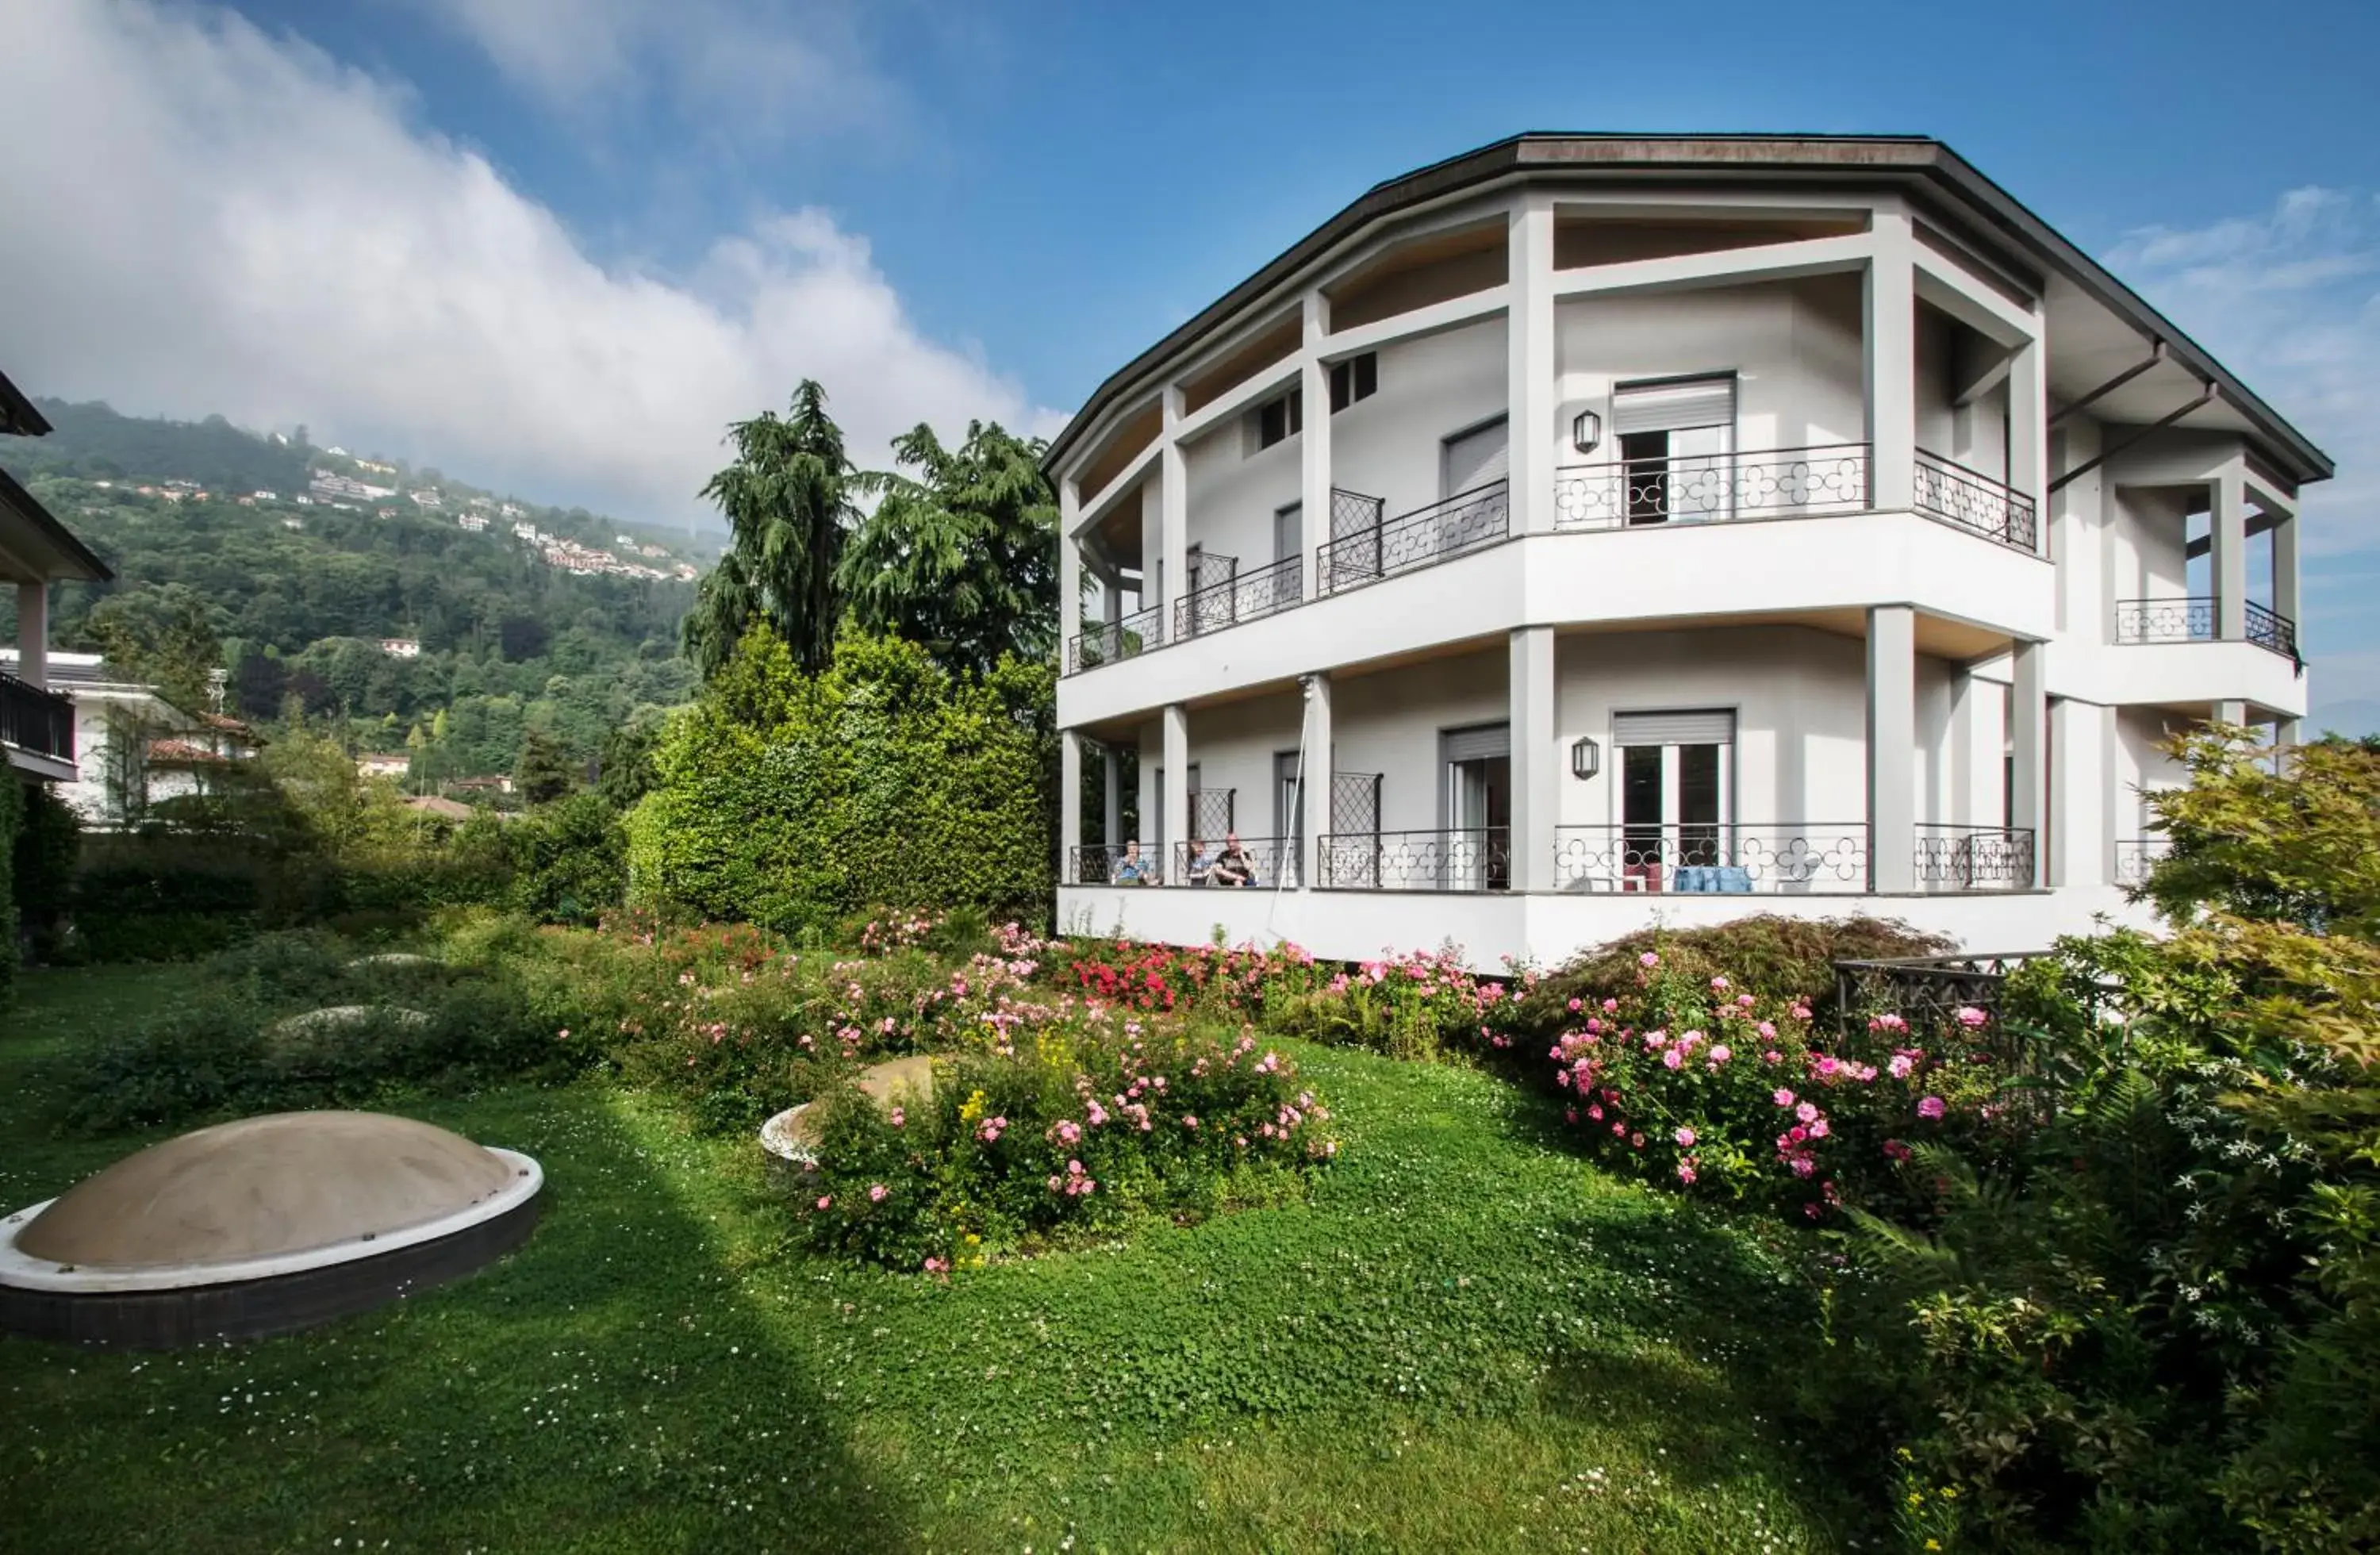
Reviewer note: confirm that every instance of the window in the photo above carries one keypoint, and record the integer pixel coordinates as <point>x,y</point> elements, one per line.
<point>1675,792</point>
<point>1676,438</point>
<point>1471,459</point>
<point>1289,531</point>
<point>1288,799</point>
<point>1357,378</point>
<point>1277,420</point>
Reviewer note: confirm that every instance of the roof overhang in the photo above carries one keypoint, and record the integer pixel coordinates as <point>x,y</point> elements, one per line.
<point>1936,179</point>
<point>19,414</point>
<point>31,539</point>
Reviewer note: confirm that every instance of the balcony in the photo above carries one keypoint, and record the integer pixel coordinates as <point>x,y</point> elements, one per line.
<point>37,723</point>
<point>2136,858</point>
<point>1360,552</point>
<point>1799,857</point>
<point>1112,640</point>
<point>1714,488</point>
<point>1950,491</point>
<point>1239,596</point>
<point>2192,618</point>
<point>1974,857</point>
<point>1465,860</point>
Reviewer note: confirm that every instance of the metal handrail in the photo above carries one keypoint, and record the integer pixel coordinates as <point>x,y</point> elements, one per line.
<point>1429,535</point>
<point>1706,488</point>
<point>1957,858</point>
<point>2269,628</point>
<point>1243,597</point>
<point>1461,859</point>
<point>1267,862</point>
<point>1950,491</point>
<point>1800,857</point>
<point>1111,641</point>
<point>36,720</point>
<point>2180,618</point>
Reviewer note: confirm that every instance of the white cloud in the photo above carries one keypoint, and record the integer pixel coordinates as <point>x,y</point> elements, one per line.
<point>208,218</point>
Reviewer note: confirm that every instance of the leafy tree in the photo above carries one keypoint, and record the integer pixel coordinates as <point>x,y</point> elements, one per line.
<point>962,557</point>
<point>787,498</point>
<point>544,773</point>
<point>162,637</point>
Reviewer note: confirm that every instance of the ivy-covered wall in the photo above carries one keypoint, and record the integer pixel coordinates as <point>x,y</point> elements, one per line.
<point>887,781</point>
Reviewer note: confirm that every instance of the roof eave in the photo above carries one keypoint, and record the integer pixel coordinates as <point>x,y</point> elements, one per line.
<point>81,561</point>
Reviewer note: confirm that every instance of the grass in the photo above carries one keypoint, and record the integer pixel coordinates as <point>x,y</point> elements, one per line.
<point>1467,1340</point>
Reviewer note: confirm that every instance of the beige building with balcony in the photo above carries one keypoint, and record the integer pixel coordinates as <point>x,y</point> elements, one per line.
<point>1590,530</point>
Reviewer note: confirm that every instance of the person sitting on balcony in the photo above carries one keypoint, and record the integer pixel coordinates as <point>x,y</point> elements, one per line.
<point>1232,865</point>
<point>1202,863</point>
<point>1132,869</point>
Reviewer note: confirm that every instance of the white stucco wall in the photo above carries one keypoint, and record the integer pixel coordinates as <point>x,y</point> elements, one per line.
<point>1389,445</point>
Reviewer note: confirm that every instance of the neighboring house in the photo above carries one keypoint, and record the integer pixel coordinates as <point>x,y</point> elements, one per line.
<point>37,720</point>
<point>387,764</point>
<point>401,648</point>
<point>444,810</point>
<point>1859,541</point>
<point>135,748</point>
<point>494,783</point>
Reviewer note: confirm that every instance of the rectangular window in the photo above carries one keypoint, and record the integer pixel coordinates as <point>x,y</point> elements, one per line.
<point>1676,794</point>
<point>1677,442</point>
<point>1471,459</point>
<point>1279,419</point>
<point>1289,531</point>
<point>1356,378</point>
<point>1289,797</point>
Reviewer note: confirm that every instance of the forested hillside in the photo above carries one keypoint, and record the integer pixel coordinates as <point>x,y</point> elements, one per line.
<point>417,615</point>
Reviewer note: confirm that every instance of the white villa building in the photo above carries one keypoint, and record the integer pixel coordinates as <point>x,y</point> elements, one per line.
<point>1591,530</point>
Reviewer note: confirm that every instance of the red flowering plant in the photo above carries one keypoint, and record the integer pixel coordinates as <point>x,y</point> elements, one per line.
<point>1689,1081</point>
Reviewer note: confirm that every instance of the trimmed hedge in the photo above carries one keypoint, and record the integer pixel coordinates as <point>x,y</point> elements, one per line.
<point>794,801</point>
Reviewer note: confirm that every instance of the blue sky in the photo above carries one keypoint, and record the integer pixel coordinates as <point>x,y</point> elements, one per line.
<point>556,242</point>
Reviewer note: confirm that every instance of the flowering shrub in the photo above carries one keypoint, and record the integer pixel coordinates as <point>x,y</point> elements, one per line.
<point>1093,1118</point>
<point>1689,1080</point>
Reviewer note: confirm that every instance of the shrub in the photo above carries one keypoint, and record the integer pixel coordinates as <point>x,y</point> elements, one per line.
<point>1768,955</point>
<point>1102,1119</point>
<point>569,860</point>
<point>12,811</point>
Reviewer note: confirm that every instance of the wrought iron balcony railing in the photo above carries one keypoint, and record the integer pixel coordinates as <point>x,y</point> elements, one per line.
<point>1113,863</point>
<point>2269,630</point>
<point>1110,640</point>
<point>2136,856</point>
<point>1707,488</point>
<point>1266,862</point>
<point>1242,597</point>
<point>1974,857</point>
<point>1975,501</point>
<point>1796,857</point>
<point>1436,533</point>
<point>1476,858</point>
<point>2169,620</point>
<point>36,722</point>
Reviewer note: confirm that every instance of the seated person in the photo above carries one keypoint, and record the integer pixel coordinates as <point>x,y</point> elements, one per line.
<point>1232,865</point>
<point>1202,863</point>
<point>1132,869</point>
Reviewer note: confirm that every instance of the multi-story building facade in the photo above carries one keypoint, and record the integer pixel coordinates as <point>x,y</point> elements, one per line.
<point>1593,530</point>
<point>37,721</point>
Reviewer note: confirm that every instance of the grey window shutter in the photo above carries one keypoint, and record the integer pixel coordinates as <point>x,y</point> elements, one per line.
<point>1693,726</point>
<point>1478,743</point>
<point>1675,405</point>
<point>1477,458</point>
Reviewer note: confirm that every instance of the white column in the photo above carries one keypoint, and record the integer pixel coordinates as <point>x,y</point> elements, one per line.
<point>1069,574</point>
<point>2028,445</point>
<point>1316,792</point>
<point>2228,547</point>
<point>1173,513</point>
<point>1111,815</point>
<point>1536,793</point>
<point>1890,333</point>
<point>2234,713</point>
<point>1529,365</point>
<point>2288,732</point>
<point>2285,573</point>
<point>2081,781</point>
<point>1177,784</point>
<point>1314,455</point>
<point>1893,749</point>
<point>1070,800</point>
<point>33,634</point>
<point>2077,529</point>
<point>2028,726</point>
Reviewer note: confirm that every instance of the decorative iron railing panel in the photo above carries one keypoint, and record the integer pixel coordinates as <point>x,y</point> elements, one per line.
<point>2136,858</point>
<point>1792,857</point>
<point>34,721</point>
<point>1974,857</point>
<point>1353,553</point>
<point>1266,862</point>
<point>1213,811</point>
<point>1926,992</point>
<point>2270,629</point>
<point>1478,858</point>
<point>1710,487</point>
<point>1355,802</point>
<point>1110,640</point>
<point>2176,619</point>
<point>1436,533</point>
<point>1113,863</point>
<point>1975,501</point>
<point>1240,597</point>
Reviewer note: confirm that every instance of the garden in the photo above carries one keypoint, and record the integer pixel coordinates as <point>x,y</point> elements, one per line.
<point>1087,1245</point>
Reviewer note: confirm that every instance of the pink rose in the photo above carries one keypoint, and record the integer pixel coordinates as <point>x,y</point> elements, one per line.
<point>1931,1107</point>
<point>1685,1137</point>
<point>1783,1098</point>
<point>876,1192</point>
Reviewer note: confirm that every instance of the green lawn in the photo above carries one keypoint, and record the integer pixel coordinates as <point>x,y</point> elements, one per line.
<point>1469,1339</point>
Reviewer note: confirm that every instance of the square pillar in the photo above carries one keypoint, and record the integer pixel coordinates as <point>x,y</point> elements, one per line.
<point>2028,430</point>
<point>2285,599</point>
<point>1314,453</point>
<point>33,634</point>
<point>1111,817</point>
<point>1893,749</point>
<point>1070,573</point>
<point>2227,549</point>
<point>1537,771</point>
<point>1174,514</point>
<point>2081,792</point>
<point>2028,727</point>
<point>1070,801</point>
<point>1529,429</point>
<point>1889,335</point>
<point>1314,781</point>
<point>1177,821</point>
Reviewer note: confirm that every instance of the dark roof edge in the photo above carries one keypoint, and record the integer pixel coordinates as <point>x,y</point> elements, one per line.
<point>17,498</point>
<point>19,414</point>
<point>1896,158</point>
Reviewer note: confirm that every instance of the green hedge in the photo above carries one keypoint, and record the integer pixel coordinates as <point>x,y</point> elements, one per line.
<point>793,801</point>
<point>12,812</point>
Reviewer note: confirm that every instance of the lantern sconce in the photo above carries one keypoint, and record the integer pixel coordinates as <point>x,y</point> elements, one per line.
<point>1585,431</point>
<point>1585,759</point>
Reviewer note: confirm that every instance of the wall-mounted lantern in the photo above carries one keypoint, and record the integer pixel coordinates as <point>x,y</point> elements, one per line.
<point>1586,431</point>
<point>1585,759</point>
